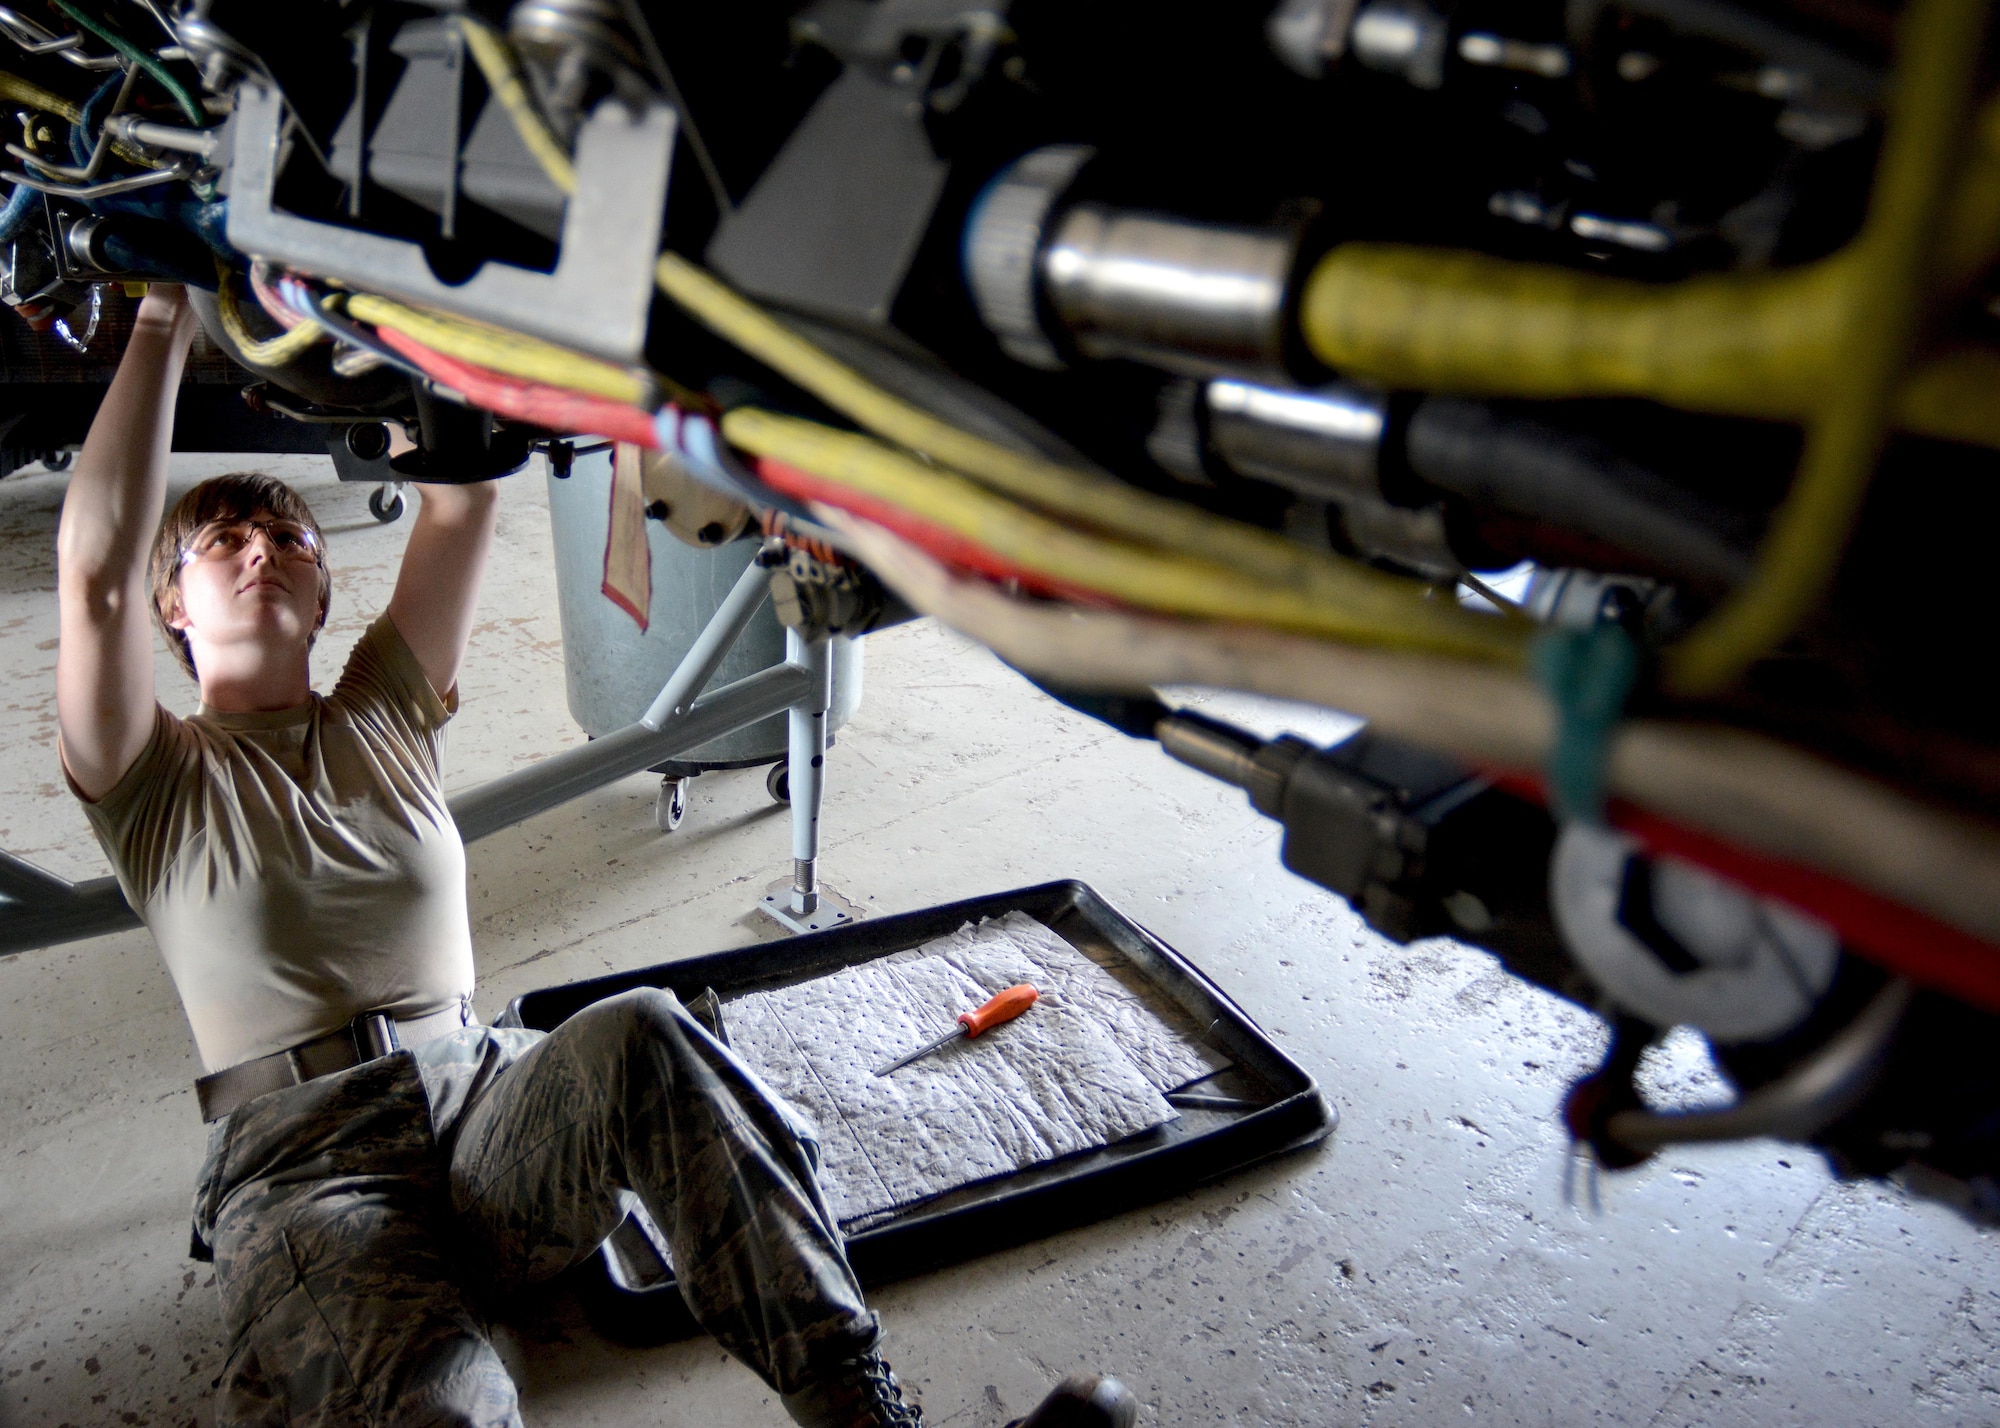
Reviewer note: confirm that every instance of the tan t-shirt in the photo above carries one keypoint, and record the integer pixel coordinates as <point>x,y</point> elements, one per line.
<point>299,867</point>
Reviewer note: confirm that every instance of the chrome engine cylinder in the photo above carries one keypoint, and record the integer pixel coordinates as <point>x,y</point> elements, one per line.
<point>1190,297</point>
<point>1322,443</point>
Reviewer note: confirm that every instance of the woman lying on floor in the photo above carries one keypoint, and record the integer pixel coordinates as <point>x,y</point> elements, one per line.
<point>380,1165</point>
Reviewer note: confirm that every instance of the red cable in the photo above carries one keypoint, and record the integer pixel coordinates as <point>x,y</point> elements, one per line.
<point>774,522</point>
<point>1908,942</point>
<point>551,408</point>
<point>275,307</point>
<point>936,541</point>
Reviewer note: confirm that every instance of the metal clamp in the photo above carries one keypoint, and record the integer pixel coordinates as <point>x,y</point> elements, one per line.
<point>1809,1097</point>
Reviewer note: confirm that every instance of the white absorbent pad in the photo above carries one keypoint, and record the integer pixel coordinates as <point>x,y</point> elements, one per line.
<point>1082,1068</point>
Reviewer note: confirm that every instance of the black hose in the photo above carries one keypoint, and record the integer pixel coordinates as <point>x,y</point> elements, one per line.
<point>1530,468</point>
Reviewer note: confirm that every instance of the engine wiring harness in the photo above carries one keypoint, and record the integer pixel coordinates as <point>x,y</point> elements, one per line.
<point>1074,575</point>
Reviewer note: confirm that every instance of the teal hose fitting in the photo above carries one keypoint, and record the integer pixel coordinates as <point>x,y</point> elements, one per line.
<point>1588,675</point>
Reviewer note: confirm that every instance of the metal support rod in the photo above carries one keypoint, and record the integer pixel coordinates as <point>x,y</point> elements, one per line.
<point>132,128</point>
<point>92,908</point>
<point>712,646</point>
<point>507,800</point>
<point>24,882</point>
<point>806,761</point>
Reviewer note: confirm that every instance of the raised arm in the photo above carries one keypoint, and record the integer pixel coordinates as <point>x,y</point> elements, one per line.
<point>104,661</point>
<point>437,589</point>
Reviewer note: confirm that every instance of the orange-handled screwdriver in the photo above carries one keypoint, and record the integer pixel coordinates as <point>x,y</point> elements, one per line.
<point>1005,1007</point>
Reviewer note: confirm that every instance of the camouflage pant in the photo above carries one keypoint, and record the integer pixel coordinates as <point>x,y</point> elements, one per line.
<point>359,1219</point>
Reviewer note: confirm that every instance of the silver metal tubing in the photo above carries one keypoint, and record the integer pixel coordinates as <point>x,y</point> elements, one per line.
<point>806,761</point>
<point>1217,749</point>
<point>32,38</point>
<point>505,801</point>
<point>1404,37</point>
<point>1193,297</point>
<point>1808,1097</point>
<point>1497,51</point>
<point>100,190</point>
<point>1324,443</point>
<point>712,646</point>
<point>131,128</point>
<point>1234,755</point>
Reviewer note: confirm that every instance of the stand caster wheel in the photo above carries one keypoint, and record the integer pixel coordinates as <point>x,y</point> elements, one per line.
<point>671,805</point>
<point>385,503</point>
<point>778,783</point>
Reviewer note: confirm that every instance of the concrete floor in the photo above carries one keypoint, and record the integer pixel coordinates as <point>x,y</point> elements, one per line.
<point>1423,1267</point>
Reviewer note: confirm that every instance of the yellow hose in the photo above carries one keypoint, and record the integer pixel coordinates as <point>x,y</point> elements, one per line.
<point>1880,313</point>
<point>1442,320</point>
<point>272,352</point>
<point>1109,505</point>
<point>1972,227</point>
<point>1955,395</point>
<point>495,58</point>
<point>16,90</point>
<point>1763,345</point>
<point>1753,346</point>
<point>1348,603</point>
<point>508,352</point>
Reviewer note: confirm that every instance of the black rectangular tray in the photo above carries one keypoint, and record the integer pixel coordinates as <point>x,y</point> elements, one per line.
<point>631,1295</point>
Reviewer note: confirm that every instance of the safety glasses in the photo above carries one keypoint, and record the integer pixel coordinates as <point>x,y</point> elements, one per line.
<point>219,540</point>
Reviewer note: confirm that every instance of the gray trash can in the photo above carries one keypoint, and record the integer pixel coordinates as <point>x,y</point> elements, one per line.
<point>614,671</point>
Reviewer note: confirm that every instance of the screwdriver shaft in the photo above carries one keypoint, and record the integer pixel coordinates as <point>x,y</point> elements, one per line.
<point>1001,1008</point>
<point>954,1034</point>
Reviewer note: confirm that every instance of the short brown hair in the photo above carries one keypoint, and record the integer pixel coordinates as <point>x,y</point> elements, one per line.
<point>238,496</point>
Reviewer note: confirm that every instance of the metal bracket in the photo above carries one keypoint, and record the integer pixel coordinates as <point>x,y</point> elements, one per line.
<point>597,298</point>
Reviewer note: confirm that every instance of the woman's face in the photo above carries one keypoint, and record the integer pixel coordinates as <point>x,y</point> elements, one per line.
<point>254,582</point>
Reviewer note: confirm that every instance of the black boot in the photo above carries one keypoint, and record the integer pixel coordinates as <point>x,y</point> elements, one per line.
<point>855,1393</point>
<point>1084,1400</point>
